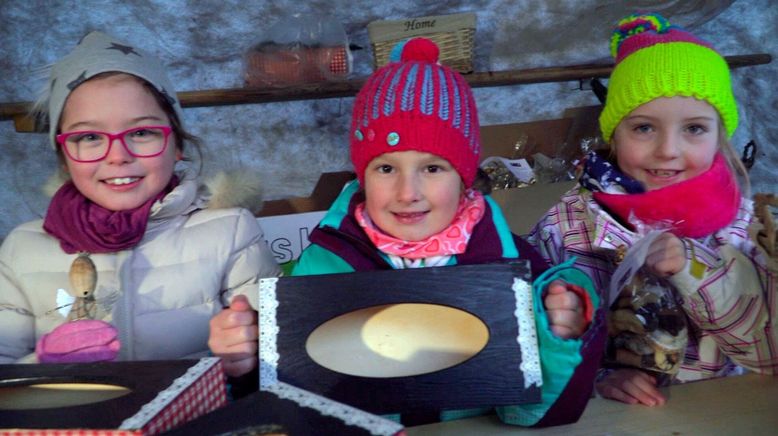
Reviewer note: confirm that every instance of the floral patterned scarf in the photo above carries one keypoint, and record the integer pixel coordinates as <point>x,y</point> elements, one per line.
<point>449,241</point>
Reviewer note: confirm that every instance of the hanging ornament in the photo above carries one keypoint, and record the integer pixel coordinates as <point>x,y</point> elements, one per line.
<point>79,301</point>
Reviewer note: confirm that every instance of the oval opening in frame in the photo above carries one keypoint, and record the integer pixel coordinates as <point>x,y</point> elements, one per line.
<point>397,340</point>
<point>52,395</point>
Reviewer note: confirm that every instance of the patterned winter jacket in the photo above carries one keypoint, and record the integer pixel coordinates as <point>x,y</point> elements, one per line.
<point>160,294</point>
<point>339,245</point>
<point>728,288</point>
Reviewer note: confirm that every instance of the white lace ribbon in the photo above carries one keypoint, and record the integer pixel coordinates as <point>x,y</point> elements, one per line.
<point>349,415</point>
<point>268,375</point>
<point>528,337</point>
<point>268,332</point>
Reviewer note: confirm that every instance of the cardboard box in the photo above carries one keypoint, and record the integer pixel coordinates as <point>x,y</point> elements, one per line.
<point>324,193</point>
<point>108,398</point>
<point>523,207</point>
<point>287,235</point>
<point>288,222</point>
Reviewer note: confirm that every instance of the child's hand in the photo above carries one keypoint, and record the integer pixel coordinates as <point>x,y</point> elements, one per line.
<point>666,255</point>
<point>233,337</point>
<point>565,309</point>
<point>631,386</point>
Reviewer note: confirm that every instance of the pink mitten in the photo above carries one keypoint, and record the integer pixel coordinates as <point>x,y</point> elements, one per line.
<point>84,340</point>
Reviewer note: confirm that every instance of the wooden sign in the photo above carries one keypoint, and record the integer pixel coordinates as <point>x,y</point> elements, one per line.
<point>142,397</point>
<point>288,411</point>
<point>495,299</point>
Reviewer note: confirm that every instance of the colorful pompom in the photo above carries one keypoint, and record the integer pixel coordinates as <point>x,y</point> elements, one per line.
<point>635,24</point>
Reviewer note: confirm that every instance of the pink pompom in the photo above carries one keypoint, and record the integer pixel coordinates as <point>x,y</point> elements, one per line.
<point>420,49</point>
<point>85,340</point>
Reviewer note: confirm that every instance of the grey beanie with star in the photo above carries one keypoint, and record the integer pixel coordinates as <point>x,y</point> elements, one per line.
<point>100,53</point>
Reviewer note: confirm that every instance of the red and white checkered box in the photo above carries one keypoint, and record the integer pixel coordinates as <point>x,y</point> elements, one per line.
<point>201,389</point>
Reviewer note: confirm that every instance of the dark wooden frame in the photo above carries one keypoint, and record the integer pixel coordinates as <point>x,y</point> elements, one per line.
<point>490,378</point>
<point>145,380</point>
<point>265,412</point>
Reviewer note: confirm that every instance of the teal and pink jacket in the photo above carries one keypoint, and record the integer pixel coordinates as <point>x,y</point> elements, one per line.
<point>339,245</point>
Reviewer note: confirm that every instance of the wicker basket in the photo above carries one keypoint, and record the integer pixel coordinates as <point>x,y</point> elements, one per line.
<point>454,34</point>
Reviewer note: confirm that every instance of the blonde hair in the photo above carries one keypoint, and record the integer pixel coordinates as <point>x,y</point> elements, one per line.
<point>734,162</point>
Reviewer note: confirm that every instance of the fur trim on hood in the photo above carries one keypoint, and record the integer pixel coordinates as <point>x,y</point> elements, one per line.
<point>241,187</point>
<point>237,188</point>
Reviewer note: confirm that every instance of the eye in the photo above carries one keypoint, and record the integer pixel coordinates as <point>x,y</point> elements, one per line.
<point>384,169</point>
<point>143,134</point>
<point>434,168</point>
<point>643,128</point>
<point>696,129</point>
<point>140,133</point>
<point>85,137</point>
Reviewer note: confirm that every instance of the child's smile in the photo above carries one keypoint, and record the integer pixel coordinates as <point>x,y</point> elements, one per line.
<point>120,181</point>
<point>411,195</point>
<point>410,217</point>
<point>667,140</point>
<point>662,177</point>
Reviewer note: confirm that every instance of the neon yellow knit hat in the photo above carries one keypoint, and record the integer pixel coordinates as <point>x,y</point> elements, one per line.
<point>655,59</point>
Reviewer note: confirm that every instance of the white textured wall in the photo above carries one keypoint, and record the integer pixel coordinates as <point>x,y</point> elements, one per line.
<point>290,144</point>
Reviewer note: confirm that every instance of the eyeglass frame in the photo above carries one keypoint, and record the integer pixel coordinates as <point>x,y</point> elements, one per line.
<point>62,138</point>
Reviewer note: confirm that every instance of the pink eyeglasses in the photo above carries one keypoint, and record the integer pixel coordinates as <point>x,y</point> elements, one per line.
<point>93,146</point>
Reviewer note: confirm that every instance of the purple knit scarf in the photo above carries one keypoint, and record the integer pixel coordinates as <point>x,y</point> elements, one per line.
<point>82,225</point>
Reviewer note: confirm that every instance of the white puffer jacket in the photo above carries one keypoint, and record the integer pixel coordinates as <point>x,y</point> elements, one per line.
<point>160,294</point>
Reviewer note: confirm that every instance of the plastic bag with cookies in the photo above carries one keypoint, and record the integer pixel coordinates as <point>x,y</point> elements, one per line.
<point>646,325</point>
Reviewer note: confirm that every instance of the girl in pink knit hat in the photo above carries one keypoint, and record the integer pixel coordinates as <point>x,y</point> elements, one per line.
<point>415,147</point>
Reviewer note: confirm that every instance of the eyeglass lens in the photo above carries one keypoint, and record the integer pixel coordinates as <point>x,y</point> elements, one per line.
<point>141,142</point>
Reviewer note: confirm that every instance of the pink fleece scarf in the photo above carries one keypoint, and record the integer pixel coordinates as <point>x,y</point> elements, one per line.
<point>448,242</point>
<point>694,208</point>
<point>81,225</point>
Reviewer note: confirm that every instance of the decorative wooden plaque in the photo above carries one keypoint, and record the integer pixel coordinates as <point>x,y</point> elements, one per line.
<point>505,371</point>
<point>288,411</point>
<point>162,395</point>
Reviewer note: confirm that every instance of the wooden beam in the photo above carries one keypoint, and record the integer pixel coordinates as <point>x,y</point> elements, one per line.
<point>232,96</point>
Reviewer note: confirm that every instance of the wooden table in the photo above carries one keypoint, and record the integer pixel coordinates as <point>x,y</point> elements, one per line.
<point>742,405</point>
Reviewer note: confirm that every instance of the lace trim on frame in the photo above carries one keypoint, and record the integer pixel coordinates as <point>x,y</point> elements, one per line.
<point>268,373</point>
<point>349,415</point>
<point>268,331</point>
<point>528,337</point>
<point>152,409</point>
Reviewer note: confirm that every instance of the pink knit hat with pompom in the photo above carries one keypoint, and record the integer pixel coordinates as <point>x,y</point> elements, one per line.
<point>414,103</point>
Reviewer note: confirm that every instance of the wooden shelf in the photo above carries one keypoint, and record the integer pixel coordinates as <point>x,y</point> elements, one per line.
<point>231,96</point>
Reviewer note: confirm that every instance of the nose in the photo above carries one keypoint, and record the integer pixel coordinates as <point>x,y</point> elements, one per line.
<point>669,145</point>
<point>117,153</point>
<point>408,189</point>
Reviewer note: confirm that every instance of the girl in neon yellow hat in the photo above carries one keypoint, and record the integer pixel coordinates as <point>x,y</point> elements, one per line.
<point>668,117</point>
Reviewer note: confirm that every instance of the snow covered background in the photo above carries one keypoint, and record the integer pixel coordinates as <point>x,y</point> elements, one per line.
<point>291,143</point>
